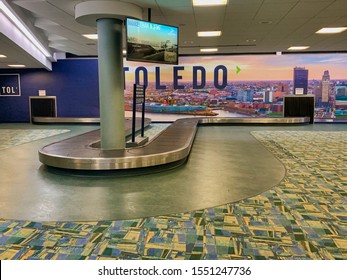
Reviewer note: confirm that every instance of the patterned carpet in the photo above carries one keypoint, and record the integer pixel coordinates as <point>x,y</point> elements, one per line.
<point>305,217</point>
<point>14,137</point>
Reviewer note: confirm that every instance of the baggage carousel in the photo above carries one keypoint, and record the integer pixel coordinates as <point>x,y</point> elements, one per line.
<point>171,147</point>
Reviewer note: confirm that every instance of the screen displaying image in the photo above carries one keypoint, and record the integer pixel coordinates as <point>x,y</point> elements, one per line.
<point>151,42</point>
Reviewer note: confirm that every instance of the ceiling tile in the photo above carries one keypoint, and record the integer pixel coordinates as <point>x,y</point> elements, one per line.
<point>292,21</point>
<point>308,9</point>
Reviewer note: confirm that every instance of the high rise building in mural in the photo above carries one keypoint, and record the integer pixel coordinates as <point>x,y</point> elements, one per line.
<point>325,86</point>
<point>268,97</point>
<point>241,95</point>
<point>326,76</point>
<point>300,80</point>
<point>341,94</point>
<point>341,101</point>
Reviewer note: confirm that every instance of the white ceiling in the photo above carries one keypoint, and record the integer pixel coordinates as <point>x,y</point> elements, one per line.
<point>248,26</point>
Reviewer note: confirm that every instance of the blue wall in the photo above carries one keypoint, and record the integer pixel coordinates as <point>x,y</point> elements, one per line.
<point>73,81</point>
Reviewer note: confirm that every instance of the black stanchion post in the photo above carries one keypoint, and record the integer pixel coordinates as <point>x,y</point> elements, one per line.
<point>138,98</point>
<point>143,113</point>
<point>134,115</point>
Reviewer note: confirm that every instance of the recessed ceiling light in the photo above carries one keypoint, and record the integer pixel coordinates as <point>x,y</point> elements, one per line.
<point>297,48</point>
<point>209,33</point>
<point>16,65</point>
<point>209,50</point>
<point>91,36</point>
<point>2,56</point>
<point>331,30</point>
<point>209,2</point>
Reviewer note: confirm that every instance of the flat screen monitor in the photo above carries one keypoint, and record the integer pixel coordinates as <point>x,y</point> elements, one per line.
<point>151,42</point>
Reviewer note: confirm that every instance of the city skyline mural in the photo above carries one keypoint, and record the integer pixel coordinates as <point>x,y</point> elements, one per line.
<point>252,85</point>
<point>273,67</point>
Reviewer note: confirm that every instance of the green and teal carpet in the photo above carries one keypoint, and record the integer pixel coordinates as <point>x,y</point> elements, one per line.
<point>15,137</point>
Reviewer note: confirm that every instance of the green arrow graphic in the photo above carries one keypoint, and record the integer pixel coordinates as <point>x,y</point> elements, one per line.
<point>238,69</point>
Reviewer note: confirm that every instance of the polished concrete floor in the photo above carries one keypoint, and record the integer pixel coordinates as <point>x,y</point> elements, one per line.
<point>226,164</point>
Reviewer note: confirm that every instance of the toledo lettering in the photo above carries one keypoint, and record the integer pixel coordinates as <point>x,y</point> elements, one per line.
<point>8,90</point>
<point>220,77</point>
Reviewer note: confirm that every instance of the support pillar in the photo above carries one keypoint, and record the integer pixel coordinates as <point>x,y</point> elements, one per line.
<point>111,83</point>
<point>108,17</point>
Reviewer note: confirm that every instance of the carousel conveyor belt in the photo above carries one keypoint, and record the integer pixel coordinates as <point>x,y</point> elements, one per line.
<point>173,145</point>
